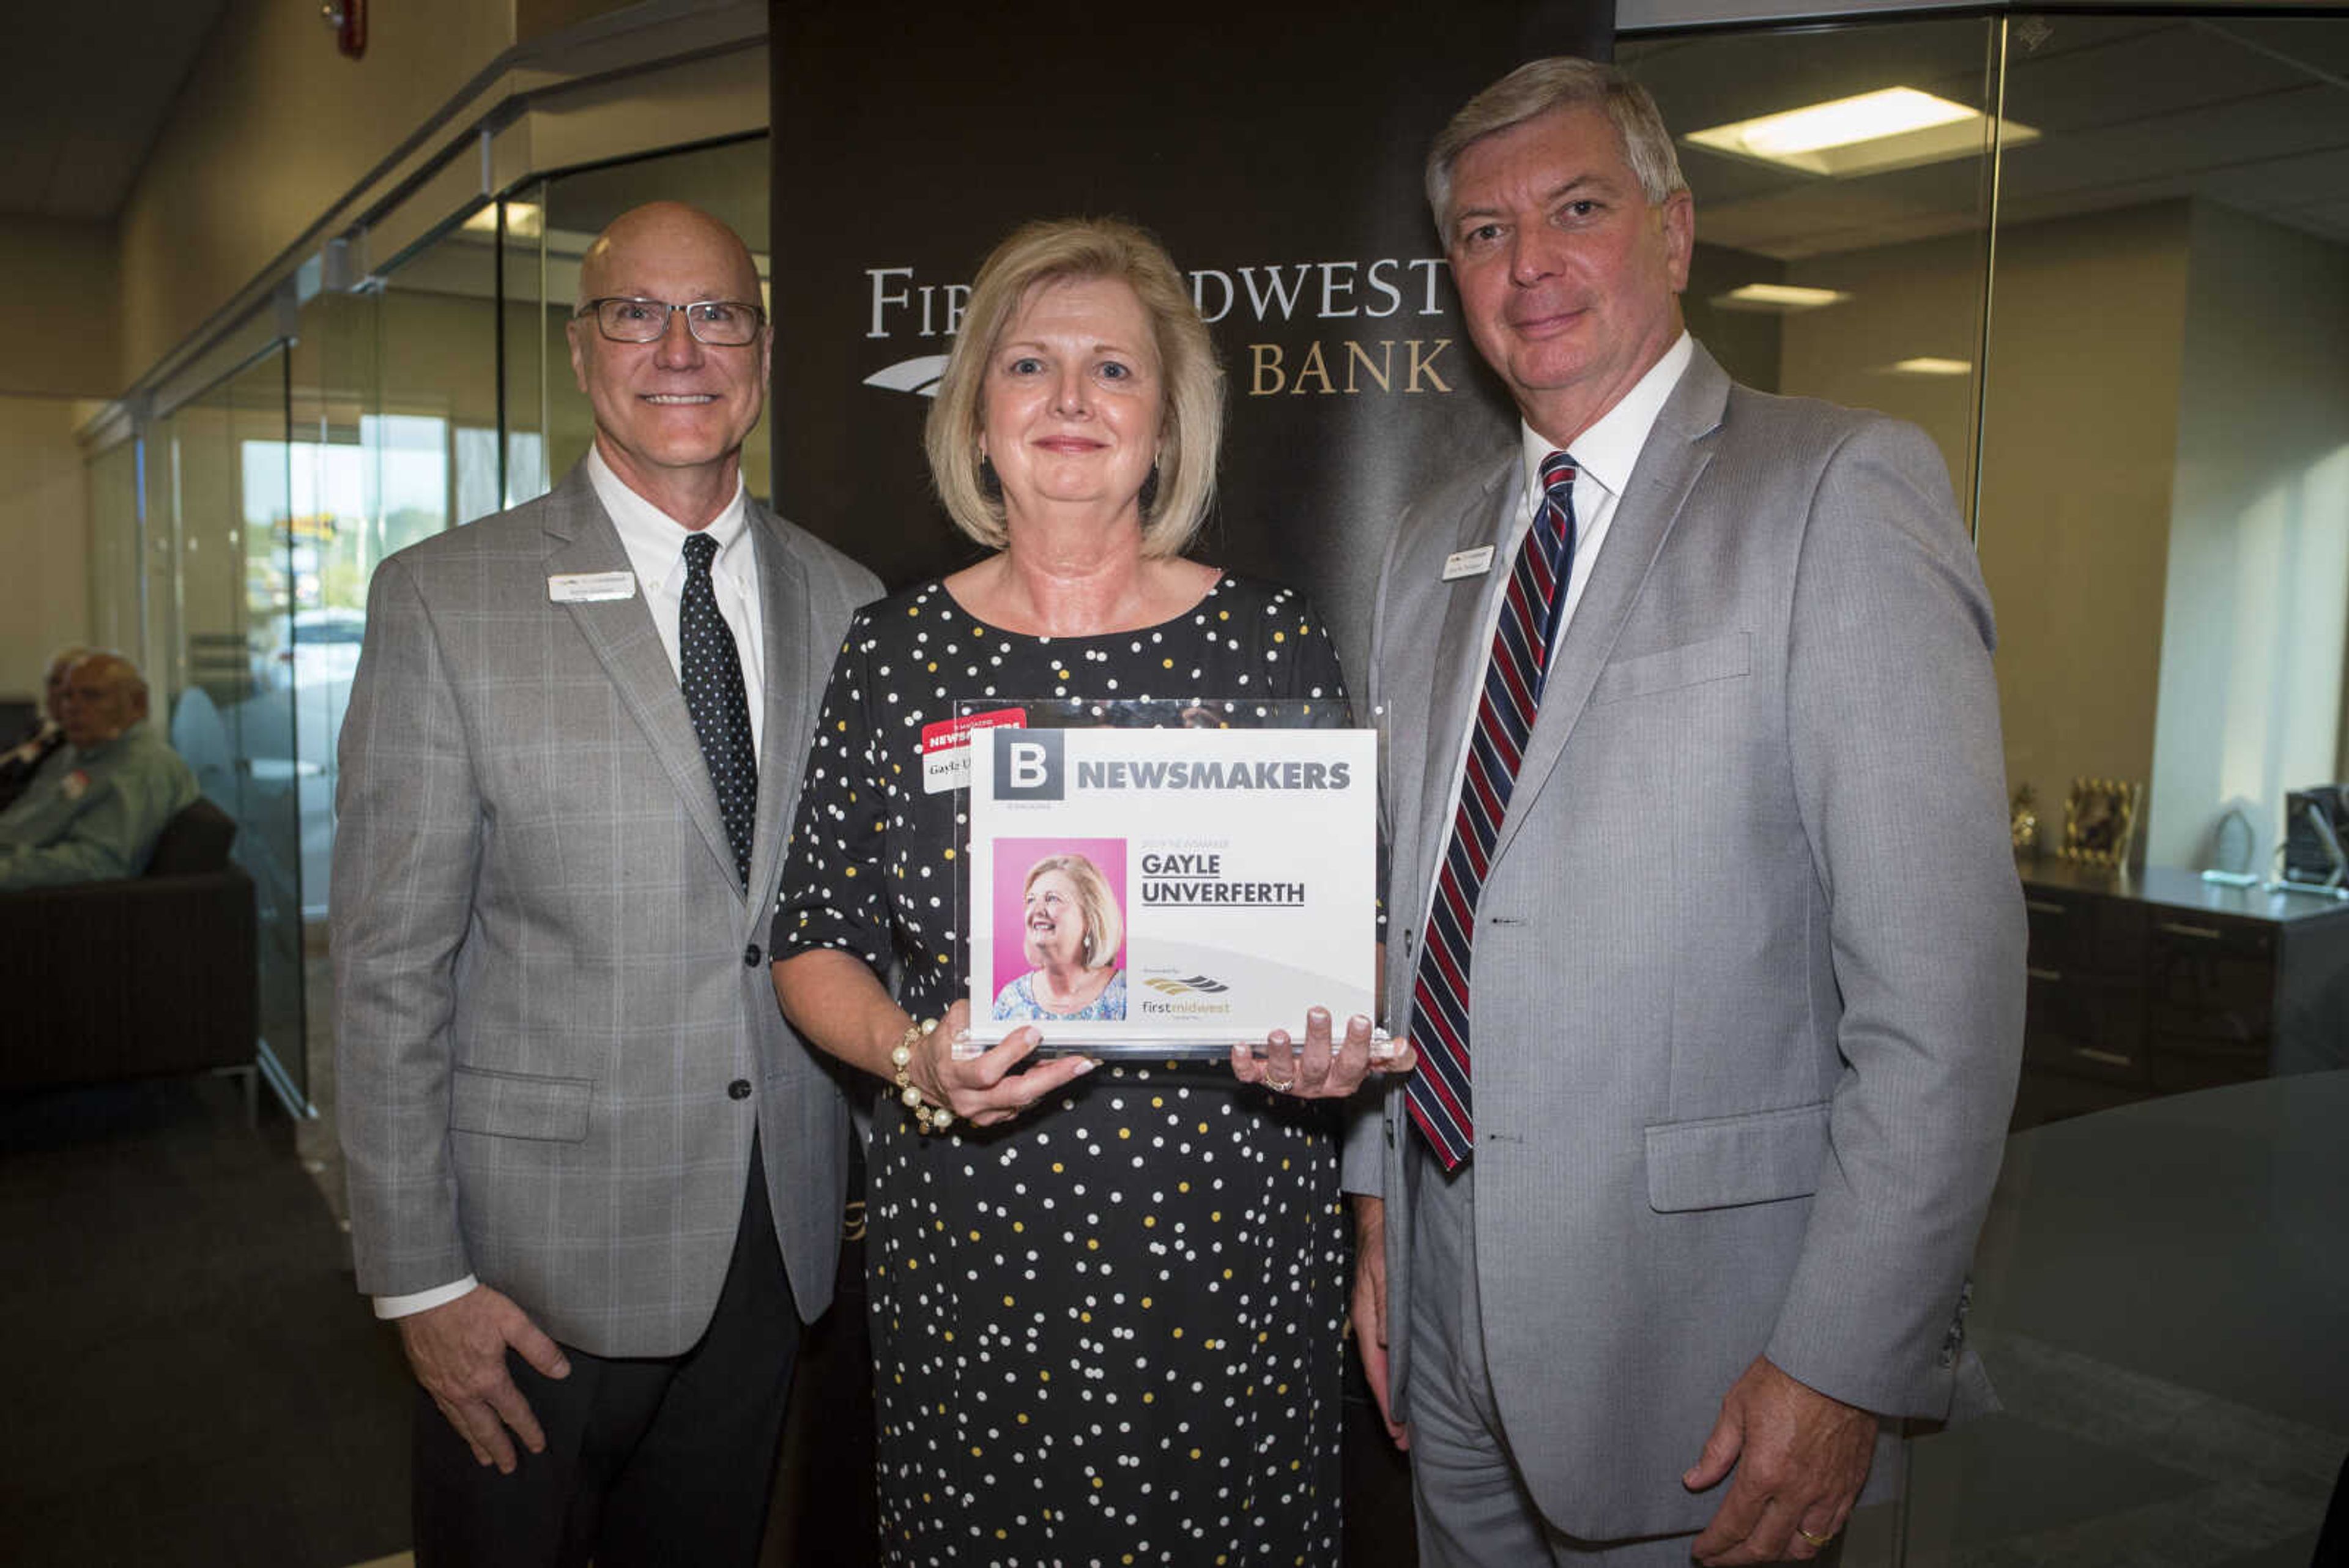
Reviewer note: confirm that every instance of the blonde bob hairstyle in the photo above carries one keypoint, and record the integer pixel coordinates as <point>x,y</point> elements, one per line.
<point>1104,924</point>
<point>1192,415</point>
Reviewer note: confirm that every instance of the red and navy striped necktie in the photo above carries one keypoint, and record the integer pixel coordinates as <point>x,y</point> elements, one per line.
<point>1531,608</point>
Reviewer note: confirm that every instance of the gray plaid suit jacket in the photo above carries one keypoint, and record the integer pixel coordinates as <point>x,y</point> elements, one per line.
<point>1746,991</point>
<point>547,976</point>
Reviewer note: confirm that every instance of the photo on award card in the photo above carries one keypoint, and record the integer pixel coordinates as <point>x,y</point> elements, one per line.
<point>1066,900</point>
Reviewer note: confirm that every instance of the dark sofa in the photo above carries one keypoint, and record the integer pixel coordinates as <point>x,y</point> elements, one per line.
<point>132,978</point>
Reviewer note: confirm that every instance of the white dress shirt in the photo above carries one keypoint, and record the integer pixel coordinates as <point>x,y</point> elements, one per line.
<point>656,546</point>
<point>1604,456</point>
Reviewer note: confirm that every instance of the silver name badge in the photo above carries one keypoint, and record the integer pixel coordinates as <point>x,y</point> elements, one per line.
<point>1473,563</point>
<point>597,587</point>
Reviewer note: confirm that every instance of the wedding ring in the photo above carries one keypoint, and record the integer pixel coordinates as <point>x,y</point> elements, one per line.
<point>1280,1086</point>
<point>1815,1540</point>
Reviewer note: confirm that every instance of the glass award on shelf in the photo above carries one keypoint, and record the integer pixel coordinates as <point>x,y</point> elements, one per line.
<point>1164,879</point>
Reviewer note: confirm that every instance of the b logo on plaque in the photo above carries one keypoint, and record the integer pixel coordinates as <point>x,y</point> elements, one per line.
<point>1027,766</point>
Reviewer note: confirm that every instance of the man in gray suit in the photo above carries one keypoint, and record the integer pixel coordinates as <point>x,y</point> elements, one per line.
<point>593,1176</point>
<point>1693,781</point>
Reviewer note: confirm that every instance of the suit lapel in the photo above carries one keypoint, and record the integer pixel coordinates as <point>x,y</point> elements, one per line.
<point>793,673</point>
<point>581,539</point>
<point>1675,454</point>
<point>1486,522</point>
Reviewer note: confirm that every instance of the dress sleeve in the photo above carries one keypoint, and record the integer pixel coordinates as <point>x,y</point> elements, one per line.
<point>834,892</point>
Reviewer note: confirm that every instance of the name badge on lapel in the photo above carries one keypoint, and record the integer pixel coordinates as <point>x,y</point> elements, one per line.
<point>1473,563</point>
<point>594,588</point>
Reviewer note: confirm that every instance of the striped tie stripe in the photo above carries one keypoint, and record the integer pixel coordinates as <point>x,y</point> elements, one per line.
<point>1438,1094</point>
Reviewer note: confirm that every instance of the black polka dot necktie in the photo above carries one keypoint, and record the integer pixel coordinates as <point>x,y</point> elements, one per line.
<point>712,677</point>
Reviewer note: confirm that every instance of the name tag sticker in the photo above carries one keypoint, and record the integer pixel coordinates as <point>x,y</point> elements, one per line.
<point>1473,563</point>
<point>596,587</point>
<point>945,746</point>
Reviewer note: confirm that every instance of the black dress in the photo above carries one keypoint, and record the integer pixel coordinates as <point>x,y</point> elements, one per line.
<point>1107,1332</point>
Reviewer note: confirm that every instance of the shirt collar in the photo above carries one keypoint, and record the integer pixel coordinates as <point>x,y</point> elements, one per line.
<point>654,540</point>
<point>1608,450</point>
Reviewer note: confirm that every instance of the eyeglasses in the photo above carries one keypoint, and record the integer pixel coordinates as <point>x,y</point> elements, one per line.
<point>719,323</point>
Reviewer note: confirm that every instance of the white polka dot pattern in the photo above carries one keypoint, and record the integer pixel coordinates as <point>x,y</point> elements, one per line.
<point>711,672</point>
<point>1110,1332</point>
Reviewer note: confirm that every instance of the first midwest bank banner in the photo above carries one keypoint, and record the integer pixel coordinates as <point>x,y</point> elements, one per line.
<point>1277,149</point>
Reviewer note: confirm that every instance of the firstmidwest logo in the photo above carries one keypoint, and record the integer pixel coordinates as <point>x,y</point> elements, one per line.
<point>1192,985</point>
<point>1287,304</point>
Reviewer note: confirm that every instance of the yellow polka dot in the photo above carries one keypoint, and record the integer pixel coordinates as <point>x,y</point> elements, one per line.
<point>848,870</point>
<point>1215,1214</point>
<point>912,610</point>
<point>1227,1273</point>
<point>1281,636</point>
<point>1156,1101</point>
<point>1178,1334</point>
<point>950,854</point>
<point>1093,1243</point>
<point>1058,1167</point>
<point>1146,1303</point>
<point>1007,1301</point>
<point>1195,1453</point>
<point>1148,1398</point>
<point>1168,663</point>
<point>1182,1187</point>
<point>1085,1317</point>
<point>1019,1225</point>
<point>1022,1417</point>
<point>1045,1375</point>
<point>1148,1221</point>
<point>1223,615</point>
<point>1097,1480</point>
<point>1123,1132</point>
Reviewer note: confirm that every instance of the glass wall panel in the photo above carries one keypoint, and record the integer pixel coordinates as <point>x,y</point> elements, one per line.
<point>2165,424</point>
<point>114,574</point>
<point>233,710</point>
<point>1843,273</point>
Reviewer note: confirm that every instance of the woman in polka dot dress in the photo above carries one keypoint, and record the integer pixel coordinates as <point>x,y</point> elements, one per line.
<point>1106,1304</point>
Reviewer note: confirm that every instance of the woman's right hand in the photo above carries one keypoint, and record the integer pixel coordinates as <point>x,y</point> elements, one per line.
<point>983,1090</point>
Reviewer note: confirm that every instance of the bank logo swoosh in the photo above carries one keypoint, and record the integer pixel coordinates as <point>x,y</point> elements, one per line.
<point>1197,982</point>
<point>920,377</point>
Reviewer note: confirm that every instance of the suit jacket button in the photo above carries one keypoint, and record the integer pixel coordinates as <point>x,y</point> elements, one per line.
<point>750,956</point>
<point>738,1089</point>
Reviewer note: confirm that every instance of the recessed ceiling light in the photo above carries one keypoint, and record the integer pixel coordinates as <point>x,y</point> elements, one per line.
<point>1926,364</point>
<point>1778,296</point>
<point>1892,128</point>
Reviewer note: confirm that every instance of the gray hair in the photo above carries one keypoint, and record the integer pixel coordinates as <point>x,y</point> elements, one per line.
<point>1539,86</point>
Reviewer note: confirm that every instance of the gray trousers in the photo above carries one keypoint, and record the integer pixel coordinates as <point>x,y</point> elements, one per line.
<point>1472,1508</point>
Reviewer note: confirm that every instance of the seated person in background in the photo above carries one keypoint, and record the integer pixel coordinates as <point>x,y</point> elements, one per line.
<point>95,811</point>
<point>46,736</point>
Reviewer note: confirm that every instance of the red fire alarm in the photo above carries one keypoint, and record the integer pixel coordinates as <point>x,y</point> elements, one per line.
<point>348,19</point>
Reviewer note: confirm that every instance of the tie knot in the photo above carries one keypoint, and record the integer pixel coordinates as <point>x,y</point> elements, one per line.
<point>1556,469</point>
<point>700,549</point>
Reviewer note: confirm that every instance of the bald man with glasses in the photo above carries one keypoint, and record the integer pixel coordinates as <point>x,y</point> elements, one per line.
<point>594,1178</point>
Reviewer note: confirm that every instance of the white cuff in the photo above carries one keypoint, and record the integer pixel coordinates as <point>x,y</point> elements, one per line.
<point>422,1300</point>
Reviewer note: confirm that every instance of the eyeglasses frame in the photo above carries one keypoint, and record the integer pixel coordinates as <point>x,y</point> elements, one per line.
<point>593,308</point>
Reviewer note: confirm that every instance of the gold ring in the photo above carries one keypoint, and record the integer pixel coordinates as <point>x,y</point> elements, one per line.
<point>1815,1540</point>
<point>1278,1087</point>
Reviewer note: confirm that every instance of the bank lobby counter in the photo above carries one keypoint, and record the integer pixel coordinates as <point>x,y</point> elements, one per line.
<point>2160,1298</point>
<point>2157,983</point>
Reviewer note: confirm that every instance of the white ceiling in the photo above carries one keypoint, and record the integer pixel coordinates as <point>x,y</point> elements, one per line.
<point>2251,112</point>
<point>84,88</point>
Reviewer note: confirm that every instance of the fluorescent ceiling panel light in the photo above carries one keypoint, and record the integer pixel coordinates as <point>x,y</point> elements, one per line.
<point>1892,128</point>
<point>1926,364</point>
<point>1777,296</point>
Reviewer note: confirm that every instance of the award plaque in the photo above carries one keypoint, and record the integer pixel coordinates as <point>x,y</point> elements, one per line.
<point>1165,878</point>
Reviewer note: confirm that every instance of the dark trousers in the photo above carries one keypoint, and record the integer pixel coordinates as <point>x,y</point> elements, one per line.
<point>657,1461</point>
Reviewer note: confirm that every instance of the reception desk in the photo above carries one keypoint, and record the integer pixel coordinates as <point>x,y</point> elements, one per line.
<point>2157,983</point>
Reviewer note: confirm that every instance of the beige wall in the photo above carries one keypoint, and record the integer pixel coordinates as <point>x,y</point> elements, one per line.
<point>2258,538</point>
<point>44,534</point>
<point>273,130</point>
<point>2079,428</point>
<point>59,327</point>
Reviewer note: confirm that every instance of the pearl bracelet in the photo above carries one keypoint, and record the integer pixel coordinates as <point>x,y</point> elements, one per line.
<point>933,1118</point>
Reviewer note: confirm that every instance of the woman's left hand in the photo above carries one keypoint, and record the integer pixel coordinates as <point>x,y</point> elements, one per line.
<point>1317,1069</point>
